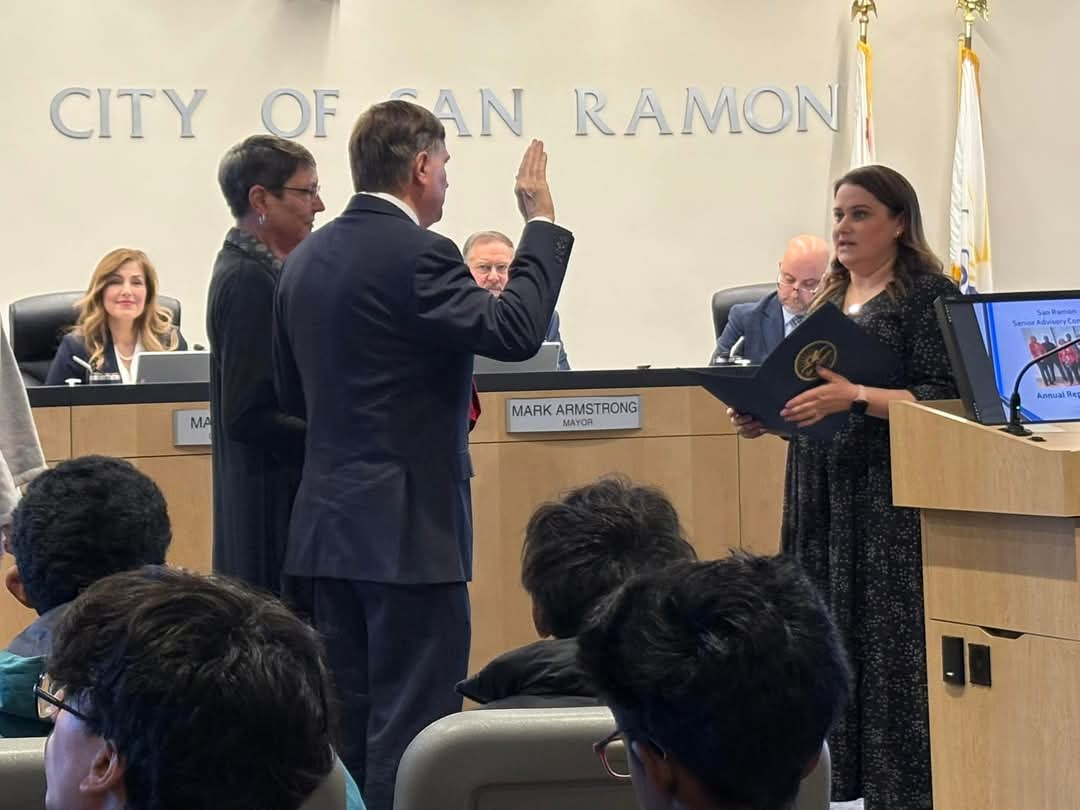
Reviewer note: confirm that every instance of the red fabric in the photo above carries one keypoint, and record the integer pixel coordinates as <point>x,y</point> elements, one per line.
<point>474,407</point>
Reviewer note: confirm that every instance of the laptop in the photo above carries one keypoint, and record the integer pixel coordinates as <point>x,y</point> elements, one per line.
<point>991,337</point>
<point>172,367</point>
<point>547,359</point>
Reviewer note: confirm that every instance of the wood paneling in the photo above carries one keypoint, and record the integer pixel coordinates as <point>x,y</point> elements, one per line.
<point>54,432</point>
<point>129,431</point>
<point>1013,745</point>
<point>1015,572</point>
<point>686,447</point>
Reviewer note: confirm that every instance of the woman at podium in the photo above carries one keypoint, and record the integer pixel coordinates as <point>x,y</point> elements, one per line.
<point>271,186</point>
<point>119,317</point>
<point>863,553</point>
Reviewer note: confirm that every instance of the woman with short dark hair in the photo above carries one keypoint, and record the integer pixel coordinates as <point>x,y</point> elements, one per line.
<point>272,188</point>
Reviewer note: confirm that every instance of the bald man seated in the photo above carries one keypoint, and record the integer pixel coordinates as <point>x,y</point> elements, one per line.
<point>489,255</point>
<point>765,323</point>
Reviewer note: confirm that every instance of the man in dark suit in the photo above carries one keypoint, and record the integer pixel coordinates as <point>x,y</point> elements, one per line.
<point>765,323</point>
<point>489,255</point>
<point>376,322</point>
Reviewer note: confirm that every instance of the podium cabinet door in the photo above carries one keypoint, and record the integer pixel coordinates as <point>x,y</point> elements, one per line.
<point>1013,745</point>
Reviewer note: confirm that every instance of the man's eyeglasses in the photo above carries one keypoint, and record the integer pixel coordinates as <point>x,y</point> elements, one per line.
<point>619,767</point>
<point>310,193</point>
<point>50,700</point>
<point>808,287</point>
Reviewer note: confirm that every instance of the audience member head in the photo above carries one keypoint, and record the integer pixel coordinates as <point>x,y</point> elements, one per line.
<point>399,148</point>
<point>272,187</point>
<point>581,548</point>
<point>123,295</point>
<point>877,222</point>
<point>489,255</point>
<point>81,521</point>
<point>184,691</point>
<point>724,678</point>
<point>805,262</point>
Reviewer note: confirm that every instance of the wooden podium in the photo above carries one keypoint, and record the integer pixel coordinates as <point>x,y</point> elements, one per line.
<point>1001,542</point>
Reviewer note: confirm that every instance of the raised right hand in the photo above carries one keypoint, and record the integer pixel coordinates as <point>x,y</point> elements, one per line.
<point>745,425</point>
<point>531,188</point>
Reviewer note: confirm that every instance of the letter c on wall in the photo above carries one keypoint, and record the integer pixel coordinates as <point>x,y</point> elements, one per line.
<point>54,112</point>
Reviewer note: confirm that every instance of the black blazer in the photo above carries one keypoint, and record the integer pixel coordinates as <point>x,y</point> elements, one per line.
<point>64,366</point>
<point>375,324</point>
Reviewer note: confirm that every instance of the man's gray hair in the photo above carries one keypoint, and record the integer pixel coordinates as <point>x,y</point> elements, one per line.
<point>485,236</point>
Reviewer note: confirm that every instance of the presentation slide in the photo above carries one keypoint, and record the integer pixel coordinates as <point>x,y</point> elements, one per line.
<point>1015,332</point>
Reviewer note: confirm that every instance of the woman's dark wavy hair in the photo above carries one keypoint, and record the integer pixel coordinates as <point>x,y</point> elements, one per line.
<point>914,257</point>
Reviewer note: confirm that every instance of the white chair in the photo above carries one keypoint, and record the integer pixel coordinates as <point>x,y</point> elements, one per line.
<point>531,759</point>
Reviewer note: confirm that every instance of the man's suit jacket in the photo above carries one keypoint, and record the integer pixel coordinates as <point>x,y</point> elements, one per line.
<point>762,324</point>
<point>376,321</point>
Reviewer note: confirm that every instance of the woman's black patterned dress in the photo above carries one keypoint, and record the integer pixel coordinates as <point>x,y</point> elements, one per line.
<point>866,557</point>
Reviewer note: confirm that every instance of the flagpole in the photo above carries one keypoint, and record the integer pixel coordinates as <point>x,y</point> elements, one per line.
<point>860,9</point>
<point>972,9</point>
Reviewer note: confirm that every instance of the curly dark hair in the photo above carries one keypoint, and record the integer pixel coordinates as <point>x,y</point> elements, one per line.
<point>581,548</point>
<point>82,520</point>
<point>732,667</point>
<point>215,695</point>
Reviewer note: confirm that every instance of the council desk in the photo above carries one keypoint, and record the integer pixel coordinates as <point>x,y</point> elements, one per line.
<point>539,435</point>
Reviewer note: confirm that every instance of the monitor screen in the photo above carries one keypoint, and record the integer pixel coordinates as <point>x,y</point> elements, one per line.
<point>991,337</point>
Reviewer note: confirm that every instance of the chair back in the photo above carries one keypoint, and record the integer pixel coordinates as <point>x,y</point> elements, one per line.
<point>22,773</point>
<point>512,759</point>
<point>724,300</point>
<point>38,324</point>
<point>533,759</point>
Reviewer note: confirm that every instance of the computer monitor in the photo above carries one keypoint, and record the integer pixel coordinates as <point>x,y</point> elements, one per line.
<point>989,339</point>
<point>172,367</point>
<point>547,359</point>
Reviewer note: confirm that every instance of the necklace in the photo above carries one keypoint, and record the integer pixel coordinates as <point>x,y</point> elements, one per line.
<point>125,357</point>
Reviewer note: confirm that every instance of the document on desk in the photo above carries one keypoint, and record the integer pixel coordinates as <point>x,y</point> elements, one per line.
<point>826,338</point>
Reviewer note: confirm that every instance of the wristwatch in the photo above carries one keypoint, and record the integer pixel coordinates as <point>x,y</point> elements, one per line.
<point>860,403</point>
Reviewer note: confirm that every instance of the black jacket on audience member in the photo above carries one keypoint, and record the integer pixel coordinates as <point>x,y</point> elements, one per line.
<point>544,674</point>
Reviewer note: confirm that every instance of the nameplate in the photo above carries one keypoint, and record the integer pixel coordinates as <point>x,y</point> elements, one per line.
<point>563,414</point>
<point>191,427</point>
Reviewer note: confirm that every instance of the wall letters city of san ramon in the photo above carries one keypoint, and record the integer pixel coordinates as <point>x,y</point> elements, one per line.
<point>766,110</point>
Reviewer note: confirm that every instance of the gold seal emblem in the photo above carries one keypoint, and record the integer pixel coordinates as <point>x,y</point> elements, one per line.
<point>812,355</point>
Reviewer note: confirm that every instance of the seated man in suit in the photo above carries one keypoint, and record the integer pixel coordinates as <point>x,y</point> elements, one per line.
<point>724,678</point>
<point>489,255</point>
<point>773,318</point>
<point>577,551</point>
<point>169,689</point>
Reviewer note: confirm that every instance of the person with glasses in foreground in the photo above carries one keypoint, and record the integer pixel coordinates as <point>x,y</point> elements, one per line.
<point>724,678</point>
<point>765,323</point>
<point>169,689</point>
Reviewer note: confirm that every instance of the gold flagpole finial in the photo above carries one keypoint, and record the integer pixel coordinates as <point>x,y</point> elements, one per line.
<point>860,10</point>
<point>971,9</point>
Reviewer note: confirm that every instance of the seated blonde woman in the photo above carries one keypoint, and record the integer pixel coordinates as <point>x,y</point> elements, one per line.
<point>119,317</point>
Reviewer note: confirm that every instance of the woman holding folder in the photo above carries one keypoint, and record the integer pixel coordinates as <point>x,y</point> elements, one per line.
<point>863,553</point>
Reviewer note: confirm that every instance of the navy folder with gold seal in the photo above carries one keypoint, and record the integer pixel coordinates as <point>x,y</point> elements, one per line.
<point>827,338</point>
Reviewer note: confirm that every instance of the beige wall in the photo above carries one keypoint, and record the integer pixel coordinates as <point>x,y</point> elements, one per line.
<point>661,221</point>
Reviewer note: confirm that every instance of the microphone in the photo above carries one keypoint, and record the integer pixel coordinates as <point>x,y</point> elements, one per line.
<point>736,349</point>
<point>1014,427</point>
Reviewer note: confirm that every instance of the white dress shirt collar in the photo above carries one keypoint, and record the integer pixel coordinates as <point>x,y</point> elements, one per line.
<point>390,198</point>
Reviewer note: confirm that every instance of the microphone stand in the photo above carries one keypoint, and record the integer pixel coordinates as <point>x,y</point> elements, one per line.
<point>1014,427</point>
